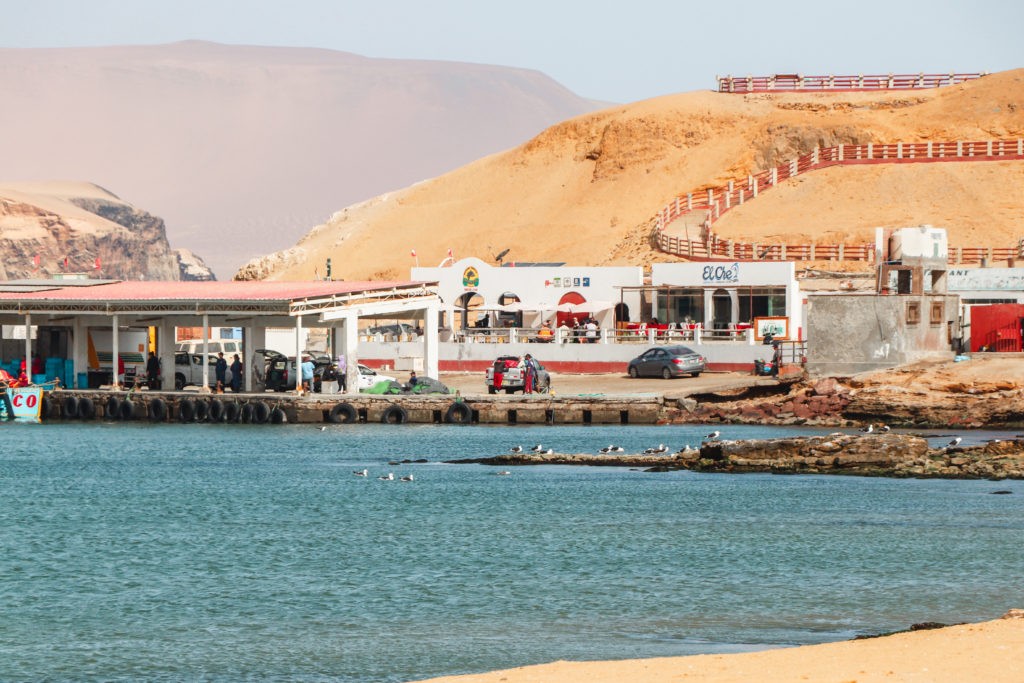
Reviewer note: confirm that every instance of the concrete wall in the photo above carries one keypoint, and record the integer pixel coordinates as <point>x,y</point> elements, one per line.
<point>851,333</point>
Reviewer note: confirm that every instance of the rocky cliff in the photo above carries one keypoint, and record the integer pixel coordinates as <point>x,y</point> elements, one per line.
<point>48,228</point>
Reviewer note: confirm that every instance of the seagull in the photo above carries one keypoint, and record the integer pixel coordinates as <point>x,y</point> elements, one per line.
<point>537,449</point>
<point>954,443</point>
<point>516,449</point>
<point>685,448</point>
<point>503,473</point>
<point>360,473</point>
<point>550,451</point>
<point>868,429</point>
<point>612,449</point>
<point>387,477</point>
<point>660,449</point>
<point>883,428</point>
<point>323,429</point>
<point>713,435</point>
<point>407,477</point>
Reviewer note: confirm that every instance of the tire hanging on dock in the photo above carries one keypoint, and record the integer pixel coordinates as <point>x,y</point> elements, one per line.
<point>247,411</point>
<point>394,415</point>
<point>157,410</point>
<point>186,410</point>
<point>126,411</point>
<point>113,408</point>
<point>343,413</point>
<point>216,412</point>
<point>69,408</point>
<point>261,412</point>
<point>278,416</point>
<point>459,414</point>
<point>231,411</point>
<point>202,410</point>
<point>86,409</point>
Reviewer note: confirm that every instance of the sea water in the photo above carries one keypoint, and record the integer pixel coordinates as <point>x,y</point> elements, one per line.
<point>220,553</point>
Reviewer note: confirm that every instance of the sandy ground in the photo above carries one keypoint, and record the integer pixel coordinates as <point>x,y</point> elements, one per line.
<point>615,384</point>
<point>989,652</point>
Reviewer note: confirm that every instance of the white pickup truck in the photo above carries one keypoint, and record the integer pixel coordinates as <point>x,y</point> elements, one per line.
<point>512,378</point>
<point>188,370</point>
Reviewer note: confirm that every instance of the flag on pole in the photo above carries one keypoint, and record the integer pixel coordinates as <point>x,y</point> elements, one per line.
<point>413,253</point>
<point>98,263</point>
<point>35,260</point>
<point>450,254</point>
<point>65,263</point>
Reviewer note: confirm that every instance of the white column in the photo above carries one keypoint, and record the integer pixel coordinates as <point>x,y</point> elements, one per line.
<point>165,351</point>
<point>256,339</point>
<point>79,350</point>
<point>349,346</point>
<point>298,354</point>
<point>431,355</point>
<point>206,352</point>
<point>28,346</point>
<point>115,354</point>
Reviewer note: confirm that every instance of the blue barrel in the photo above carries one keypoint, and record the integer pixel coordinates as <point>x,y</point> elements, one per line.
<point>83,380</point>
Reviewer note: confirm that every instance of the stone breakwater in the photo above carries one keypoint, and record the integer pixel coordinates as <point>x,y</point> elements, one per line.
<point>882,455</point>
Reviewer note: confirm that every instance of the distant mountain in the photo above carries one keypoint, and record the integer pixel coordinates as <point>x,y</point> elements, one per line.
<point>242,149</point>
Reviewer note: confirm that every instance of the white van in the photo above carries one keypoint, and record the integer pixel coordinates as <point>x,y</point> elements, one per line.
<point>228,346</point>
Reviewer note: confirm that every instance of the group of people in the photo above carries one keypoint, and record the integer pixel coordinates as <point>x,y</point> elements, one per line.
<point>529,369</point>
<point>221,369</point>
<point>585,332</point>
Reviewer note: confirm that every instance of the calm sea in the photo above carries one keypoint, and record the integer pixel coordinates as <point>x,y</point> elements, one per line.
<point>220,553</point>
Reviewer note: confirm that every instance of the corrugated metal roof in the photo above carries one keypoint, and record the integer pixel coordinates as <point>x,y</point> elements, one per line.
<point>202,291</point>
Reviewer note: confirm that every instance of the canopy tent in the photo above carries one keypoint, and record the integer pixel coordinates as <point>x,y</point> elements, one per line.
<point>586,307</point>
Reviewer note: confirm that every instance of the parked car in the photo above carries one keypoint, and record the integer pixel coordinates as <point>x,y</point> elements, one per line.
<point>512,380</point>
<point>280,372</point>
<point>667,362</point>
<point>394,330</point>
<point>188,370</point>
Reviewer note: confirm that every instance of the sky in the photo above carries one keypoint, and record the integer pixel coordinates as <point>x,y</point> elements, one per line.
<point>610,51</point>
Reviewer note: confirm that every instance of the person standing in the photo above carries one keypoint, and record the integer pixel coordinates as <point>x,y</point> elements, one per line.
<point>329,380</point>
<point>499,374</point>
<point>591,331</point>
<point>307,374</point>
<point>776,358</point>
<point>529,369</point>
<point>220,369</point>
<point>236,374</point>
<point>153,371</point>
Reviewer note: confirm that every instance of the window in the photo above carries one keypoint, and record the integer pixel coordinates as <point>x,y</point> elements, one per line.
<point>913,312</point>
<point>937,313</point>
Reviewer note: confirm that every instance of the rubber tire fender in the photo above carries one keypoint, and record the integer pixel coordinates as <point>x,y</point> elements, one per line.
<point>86,409</point>
<point>157,410</point>
<point>216,412</point>
<point>343,413</point>
<point>232,411</point>
<point>126,411</point>
<point>278,416</point>
<point>394,415</point>
<point>69,408</point>
<point>202,411</point>
<point>261,412</point>
<point>113,408</point>
<point>459,414</point>
<point>187,410</point>
<point>247,413</point>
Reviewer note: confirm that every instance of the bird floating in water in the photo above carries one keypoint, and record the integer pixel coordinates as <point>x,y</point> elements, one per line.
<point>868,429</point>
<point>537,449</point>
<point>954,443</point>
<point>661,448</point>
<point>713,435</point>
<point>323,428</point>
<point>387,477</point>
<point>503,473</point>
<point>407,477</point>
<point>611,448</point>
<point>516,449</point>
<point>360,473</point>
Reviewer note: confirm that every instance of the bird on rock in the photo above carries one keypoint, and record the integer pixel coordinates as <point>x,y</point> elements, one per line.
<point>713,435</point>
<point>537,449</point>
<point>516,449</point>
<point>954,443</point>
<point>868,429</point>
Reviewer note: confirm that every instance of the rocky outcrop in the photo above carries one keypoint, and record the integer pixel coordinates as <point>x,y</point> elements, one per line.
<point>882,455</point>
<point>263,267</point>
<point>48,228</point>
<point>191,267</point>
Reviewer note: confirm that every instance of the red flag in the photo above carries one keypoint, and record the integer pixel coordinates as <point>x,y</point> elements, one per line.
<point>35,260</point>
<point>97,263</point>
<point>413,253</point>
<point>65,263</point>
<point>450,254</point>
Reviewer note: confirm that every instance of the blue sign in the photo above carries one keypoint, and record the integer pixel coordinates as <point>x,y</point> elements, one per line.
<point>727,274</point>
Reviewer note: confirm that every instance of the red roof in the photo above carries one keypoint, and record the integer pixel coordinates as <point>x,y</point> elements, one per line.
<point>204,291</point>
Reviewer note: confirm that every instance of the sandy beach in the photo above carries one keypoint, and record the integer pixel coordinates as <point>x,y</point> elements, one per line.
<point>989,652</point>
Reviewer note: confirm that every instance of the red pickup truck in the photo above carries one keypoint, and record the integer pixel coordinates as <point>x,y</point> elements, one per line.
<point>512,378</point>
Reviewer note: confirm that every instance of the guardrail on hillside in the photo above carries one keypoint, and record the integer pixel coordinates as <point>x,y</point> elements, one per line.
<point>716,201</point>
<point>801,83</point>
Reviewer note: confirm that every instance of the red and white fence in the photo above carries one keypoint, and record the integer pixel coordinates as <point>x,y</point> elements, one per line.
<point>801,83</point>
<point>716,201</point>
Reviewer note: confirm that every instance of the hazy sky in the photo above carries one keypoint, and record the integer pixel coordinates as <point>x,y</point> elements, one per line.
<point>615,51</point>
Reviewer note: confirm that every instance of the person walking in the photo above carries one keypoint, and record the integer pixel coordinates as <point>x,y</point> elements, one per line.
<point>221,371</point>
<point>236,374</point>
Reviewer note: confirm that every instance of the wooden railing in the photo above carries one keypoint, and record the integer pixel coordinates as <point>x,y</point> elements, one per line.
<point>716,201</point>
<point>800,83</point>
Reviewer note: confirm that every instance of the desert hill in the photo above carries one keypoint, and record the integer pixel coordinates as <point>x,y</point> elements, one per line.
<point>88,226</point>
<point>241,149</point>
<point>584,191</point>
